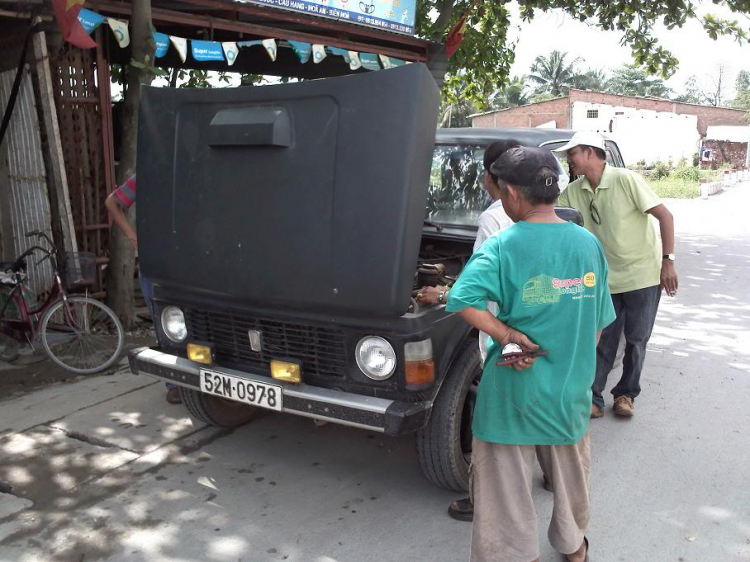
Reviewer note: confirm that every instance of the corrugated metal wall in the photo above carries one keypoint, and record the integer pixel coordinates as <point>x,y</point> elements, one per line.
<point>27,200</point>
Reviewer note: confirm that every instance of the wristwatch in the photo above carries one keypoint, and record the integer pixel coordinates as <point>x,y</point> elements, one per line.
<point>669,257</point>
<point>441,297</point>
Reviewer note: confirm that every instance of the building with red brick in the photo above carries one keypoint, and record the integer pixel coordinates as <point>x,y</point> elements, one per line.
<point>646,128</point>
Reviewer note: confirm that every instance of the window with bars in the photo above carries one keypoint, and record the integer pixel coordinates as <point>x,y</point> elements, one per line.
<point>592,113</point>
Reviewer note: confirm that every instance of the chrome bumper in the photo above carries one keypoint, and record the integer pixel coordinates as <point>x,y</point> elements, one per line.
<point>376,414</point>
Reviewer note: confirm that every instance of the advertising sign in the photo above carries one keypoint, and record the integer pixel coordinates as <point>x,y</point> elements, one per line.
<point>391,15</point>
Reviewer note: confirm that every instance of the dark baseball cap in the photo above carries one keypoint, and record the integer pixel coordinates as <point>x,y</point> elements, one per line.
<point>526,166</point>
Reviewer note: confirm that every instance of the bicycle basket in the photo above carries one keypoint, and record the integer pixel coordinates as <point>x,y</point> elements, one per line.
<point>80,270</point>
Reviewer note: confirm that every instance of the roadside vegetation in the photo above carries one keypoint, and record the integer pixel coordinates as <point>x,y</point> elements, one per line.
<point>676,181</point>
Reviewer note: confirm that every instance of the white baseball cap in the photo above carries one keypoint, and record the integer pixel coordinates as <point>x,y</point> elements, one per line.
<point>583,138</point>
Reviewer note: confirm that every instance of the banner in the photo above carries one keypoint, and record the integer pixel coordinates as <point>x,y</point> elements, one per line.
<point>369,61</point>
<point>89,20</point>
<point>120,31</point>
<point>319,53</point>
<point>180,45</point>
<point>162,44</point>
<point>207,50</point>
<point>354,62</point>
<point>230,52</point>
<point>77,23</point>
<point>66,14</point>
<point>302,50</point>
<point>270,45</point>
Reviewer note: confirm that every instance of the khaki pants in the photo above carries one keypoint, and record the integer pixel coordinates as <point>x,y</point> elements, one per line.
<point>505,525</point>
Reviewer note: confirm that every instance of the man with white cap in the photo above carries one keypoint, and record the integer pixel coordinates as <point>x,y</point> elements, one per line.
<point>616,204</point>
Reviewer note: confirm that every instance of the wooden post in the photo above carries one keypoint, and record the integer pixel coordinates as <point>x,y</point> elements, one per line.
<point>57,180</point>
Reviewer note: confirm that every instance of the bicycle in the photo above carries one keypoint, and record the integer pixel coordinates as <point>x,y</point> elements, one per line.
<point>77,332</point>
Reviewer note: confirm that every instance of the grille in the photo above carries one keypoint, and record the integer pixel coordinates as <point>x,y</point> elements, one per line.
<point>321,350</point>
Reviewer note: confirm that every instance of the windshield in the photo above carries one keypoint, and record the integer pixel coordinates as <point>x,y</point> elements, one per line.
<point>456,194</point>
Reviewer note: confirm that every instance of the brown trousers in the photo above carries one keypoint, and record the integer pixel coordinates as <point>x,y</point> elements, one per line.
<point>505,523</point>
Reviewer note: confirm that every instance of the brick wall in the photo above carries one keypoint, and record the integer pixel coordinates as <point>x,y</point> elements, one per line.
<point>558,111</point>
<point>707,115</point>
<point>726,152</point>
<point>528,115</point>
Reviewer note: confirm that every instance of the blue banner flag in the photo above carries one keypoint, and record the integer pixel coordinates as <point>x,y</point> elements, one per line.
<point>207,50</point>
<point>89,20</point>
<point>369,61</point>
<point>162,44</point>
<point>302,49</point>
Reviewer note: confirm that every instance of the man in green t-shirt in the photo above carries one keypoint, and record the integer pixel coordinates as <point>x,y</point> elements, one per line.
<point>549,279</point>
<point>616,205</point>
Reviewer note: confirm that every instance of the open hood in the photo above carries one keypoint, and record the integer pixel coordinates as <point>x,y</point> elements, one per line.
<point>307,196</point>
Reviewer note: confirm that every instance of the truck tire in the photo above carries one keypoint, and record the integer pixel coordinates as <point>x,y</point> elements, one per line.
<point>444,444</point>
<point>217,411</point>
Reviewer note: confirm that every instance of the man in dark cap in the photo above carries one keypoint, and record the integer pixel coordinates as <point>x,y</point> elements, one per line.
<point>549,278</point>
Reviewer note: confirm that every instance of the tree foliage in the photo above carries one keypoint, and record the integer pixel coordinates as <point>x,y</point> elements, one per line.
<point>631,80</point>
<point>553,75</point>
<point>484,59</point>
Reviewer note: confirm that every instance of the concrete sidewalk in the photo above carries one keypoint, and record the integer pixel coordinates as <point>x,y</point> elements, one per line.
<point>105,469</point>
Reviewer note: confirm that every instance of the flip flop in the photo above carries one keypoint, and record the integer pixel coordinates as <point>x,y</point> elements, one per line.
<point>585,558</point>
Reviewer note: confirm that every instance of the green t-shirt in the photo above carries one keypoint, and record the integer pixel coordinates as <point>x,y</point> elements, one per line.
<point>629,239</point>
<point>550,282</point>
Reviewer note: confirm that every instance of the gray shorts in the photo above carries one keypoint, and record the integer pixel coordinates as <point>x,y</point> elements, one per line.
<point>505,523</point>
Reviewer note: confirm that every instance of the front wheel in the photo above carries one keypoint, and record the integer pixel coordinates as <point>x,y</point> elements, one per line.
<point>444,444</point>
<point>81,335</point>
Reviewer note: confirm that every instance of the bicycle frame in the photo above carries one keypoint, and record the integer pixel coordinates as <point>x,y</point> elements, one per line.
<point>25,329</point>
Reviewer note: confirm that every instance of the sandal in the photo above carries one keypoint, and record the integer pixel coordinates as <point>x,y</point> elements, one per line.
<point>585,558</point>
<point>461,510</point>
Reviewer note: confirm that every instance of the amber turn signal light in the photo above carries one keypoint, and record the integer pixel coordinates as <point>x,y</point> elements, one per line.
<point>420,372</point>
<point>200,353</point>
<point>286,371</point>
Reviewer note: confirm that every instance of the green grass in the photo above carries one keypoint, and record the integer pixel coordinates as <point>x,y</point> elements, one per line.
<point>672,188</point>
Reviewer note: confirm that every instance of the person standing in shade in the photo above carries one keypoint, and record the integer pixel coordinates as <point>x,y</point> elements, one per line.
<point>616,204</point>
<point>121,199</point>
<point>549,278</point>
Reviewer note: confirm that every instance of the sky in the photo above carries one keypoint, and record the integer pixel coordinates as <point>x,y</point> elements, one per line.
<point>698,54</point>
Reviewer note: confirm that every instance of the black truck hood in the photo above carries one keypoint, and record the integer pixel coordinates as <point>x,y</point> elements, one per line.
<point>308,195</point>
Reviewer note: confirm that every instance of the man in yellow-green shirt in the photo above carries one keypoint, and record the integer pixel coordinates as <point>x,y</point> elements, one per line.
<point>616,204</point>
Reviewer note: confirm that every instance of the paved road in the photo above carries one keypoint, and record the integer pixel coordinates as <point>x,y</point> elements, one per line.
<point>104,469</point>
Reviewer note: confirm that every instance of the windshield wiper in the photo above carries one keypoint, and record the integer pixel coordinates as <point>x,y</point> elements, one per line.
<point>437,226</point>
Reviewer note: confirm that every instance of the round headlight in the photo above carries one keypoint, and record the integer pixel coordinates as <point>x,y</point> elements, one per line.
<point>173,324</point>
<point>375,358</point>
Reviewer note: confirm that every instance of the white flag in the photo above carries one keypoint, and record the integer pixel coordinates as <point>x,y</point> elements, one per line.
<point>270,45</point>
<point>120,29</point>
<point>181,45</point>
<point>319,53</point>
<point>354,62</point>
<point>386,61</point>
<point>230,52</point>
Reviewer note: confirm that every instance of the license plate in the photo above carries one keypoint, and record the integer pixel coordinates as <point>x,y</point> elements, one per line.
<point>234,388</point>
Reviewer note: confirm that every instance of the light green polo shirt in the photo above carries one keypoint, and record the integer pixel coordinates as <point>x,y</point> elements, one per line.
<point>629,239</point>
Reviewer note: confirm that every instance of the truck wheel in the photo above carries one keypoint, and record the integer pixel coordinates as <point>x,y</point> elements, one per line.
<point>217,411</point>
<point>444,444</point>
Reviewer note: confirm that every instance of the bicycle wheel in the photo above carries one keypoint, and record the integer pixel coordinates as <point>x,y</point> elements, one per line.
<point>83,335</point>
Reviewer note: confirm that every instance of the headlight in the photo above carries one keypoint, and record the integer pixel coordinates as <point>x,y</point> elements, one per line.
<point>375,358</point>
<point>173,324</point>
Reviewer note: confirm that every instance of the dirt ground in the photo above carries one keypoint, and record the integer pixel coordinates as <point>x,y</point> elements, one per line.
<point>32,369</point>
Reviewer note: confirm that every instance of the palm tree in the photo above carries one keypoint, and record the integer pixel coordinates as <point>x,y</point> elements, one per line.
<point>593,79</point>
<point>552,74</point>
<point>512,95</point>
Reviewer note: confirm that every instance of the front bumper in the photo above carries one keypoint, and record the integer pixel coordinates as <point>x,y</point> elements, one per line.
<point>376,414</point>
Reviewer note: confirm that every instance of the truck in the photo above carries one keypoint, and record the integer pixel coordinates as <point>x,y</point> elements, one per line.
<point>287,230</point>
